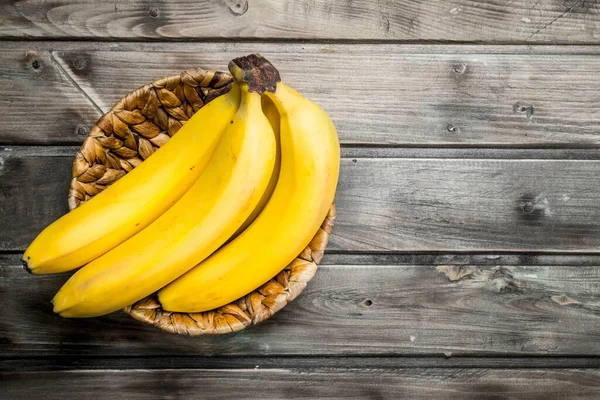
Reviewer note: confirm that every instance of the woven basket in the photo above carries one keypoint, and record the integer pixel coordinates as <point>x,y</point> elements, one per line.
<point>130,132</point>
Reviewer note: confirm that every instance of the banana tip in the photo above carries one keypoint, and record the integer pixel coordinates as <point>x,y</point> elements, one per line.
<point>57,310</point>
<point>26,266</point>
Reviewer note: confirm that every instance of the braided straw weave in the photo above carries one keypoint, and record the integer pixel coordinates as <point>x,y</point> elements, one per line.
<point>129,133</point>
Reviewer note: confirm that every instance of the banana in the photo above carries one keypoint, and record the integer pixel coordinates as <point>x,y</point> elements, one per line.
<point>310,158</point>
<point>202,220</point>
<point>272,115</point>
<point>137,199</point>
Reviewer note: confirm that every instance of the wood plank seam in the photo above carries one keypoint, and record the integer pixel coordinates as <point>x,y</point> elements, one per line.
<point>352,151</point>
<point>300,363</point>
<point>324,46</point>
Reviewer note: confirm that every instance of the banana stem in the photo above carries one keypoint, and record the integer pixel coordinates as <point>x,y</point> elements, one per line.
<point>249,101</point>
<point>255,70</point>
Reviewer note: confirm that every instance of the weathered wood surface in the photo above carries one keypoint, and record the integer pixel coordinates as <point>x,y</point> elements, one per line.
<point>33,192</point>
<point>347,310</point>
<point>384,204</point>
<point>456,204</point>
<point>376,94</point>
<point>498,21</point>
<point>83,362</point>
<point>38,101</point>
<point>307,384</point>
<point>467,237</point>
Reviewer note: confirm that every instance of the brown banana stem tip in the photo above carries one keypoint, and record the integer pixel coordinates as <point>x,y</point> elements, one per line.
<point>260,75</point>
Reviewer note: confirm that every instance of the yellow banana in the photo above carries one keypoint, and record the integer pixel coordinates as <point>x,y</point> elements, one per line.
<point>310,158</point>
<point>201,221</point>
<point>272,115</point>
<point>137,199</point>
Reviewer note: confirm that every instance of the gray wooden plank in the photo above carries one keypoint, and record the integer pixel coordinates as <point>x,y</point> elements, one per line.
<point>333,257</point>
<point>39,103</point>
<point>304,362</point>
<point>411,383</point>
<point>33,192</point>
<point>301,47</point>
<point>498,21</point>
<point>454,204</point>
<point>429,99</point>
<point>458,258</point>
<point>507,153</point>
<point>347,310</point>
<point>398,99</point>
<point>357,151</point>
<point>384,205</point>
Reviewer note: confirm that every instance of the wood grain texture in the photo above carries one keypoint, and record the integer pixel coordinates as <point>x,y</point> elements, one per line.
<point>458,258</point>
<point>33,192</point>
<point>411,383</point>
<point>384,205</point>
<point>347,310</point>
<point>39,103</point>
<point>453,204</point>
<point>471,98</point>
<point>423,20</point>
<point>441,258</point>
<point>79,362</point>
<point>384,97</point>
<point>301,47</point>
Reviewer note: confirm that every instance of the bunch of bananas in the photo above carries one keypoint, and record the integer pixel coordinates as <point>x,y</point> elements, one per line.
<point>220,209</point>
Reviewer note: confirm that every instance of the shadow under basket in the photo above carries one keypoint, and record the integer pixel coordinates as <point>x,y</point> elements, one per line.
<point>129,133</point>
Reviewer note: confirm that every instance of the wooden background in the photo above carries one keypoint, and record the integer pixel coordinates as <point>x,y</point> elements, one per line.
<point>465,260</point>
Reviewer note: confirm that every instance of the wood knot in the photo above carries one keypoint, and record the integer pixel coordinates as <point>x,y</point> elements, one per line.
<point>79,63</point>
<point>527,109</point>
<point>153,12</point>
<point>532,209</point>
<point>564,300</point>
<point>35,64</point>
<point>81,130</point>
<point>458,272</point>
<point>502,281</point>
<point>460,68</point>
<point>452,128</point>
<point>237,7</point>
